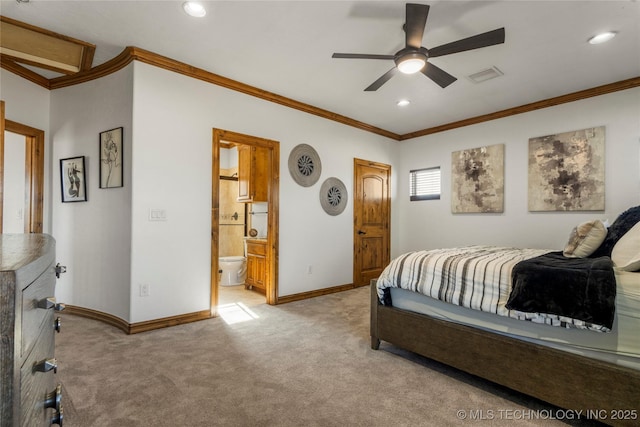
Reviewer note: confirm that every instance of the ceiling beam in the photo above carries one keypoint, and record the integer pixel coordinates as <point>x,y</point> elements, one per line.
<point>31,45</point>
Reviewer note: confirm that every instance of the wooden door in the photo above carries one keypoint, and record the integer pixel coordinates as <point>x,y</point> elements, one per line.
<point>371,219</point>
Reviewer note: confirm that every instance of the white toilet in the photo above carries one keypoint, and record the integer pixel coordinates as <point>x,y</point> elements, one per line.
<point>233,270</point>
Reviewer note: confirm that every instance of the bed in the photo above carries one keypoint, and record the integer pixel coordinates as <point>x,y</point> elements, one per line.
<point>589,363</point>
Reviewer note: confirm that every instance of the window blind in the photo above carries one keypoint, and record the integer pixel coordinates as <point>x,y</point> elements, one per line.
<point>424,184</point>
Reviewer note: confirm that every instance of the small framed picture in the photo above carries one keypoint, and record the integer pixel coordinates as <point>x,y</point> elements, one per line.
<point>111,158</point>
<point>72,180</point>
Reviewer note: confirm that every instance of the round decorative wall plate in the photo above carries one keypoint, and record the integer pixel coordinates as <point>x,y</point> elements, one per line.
<point>333,196</point>
<point>304,165</point>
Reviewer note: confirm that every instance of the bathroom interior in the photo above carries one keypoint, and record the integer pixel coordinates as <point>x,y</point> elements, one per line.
<point>238,222</point>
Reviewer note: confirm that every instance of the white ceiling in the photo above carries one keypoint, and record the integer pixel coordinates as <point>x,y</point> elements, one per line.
<point>285,47</point>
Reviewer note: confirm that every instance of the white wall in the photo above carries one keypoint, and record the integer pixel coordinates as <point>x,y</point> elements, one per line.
<point>430,224</point>
<point>13,195</point>
<point>29,104</point>
<point>173,118</point>
<point>111,247</point>
<point>93,237</point>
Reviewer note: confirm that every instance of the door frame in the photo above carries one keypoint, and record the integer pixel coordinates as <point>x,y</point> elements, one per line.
<point>356,201</point>
<point>220,137</point>
<point>34,172</point>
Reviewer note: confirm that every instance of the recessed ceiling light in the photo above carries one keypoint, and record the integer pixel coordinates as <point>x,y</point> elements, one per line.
<point>194,9</point>
<point>602,37</point>
<point>403,103</point>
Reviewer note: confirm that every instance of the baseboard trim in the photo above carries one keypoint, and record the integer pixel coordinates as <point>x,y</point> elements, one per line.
<point>312,294</point>
<point>135,328</point>
<point>165,322</point>
<point>101,316</point>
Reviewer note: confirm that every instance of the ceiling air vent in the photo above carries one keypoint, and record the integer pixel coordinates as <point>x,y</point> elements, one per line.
<point>484,75</point>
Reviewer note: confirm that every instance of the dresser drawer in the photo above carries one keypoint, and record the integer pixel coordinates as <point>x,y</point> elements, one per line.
<point>33,316</point>
<point>34,385</point>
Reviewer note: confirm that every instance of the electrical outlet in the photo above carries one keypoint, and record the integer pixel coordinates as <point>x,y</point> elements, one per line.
<point>309,269</point>
<point>145,289</point>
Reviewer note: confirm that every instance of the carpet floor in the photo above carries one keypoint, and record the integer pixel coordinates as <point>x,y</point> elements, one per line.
<point>306,363</point>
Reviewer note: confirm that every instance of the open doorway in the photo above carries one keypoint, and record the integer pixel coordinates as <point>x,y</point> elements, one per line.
<point>255,210</point>
<point>22,180</point>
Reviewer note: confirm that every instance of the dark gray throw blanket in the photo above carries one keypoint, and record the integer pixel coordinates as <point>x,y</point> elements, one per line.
<point>580,288</point>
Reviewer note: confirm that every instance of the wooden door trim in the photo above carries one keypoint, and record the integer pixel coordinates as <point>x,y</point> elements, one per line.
<point>34,173</point>
<point>2,124</point>
<point>220,138</point>
<point>360,162</point>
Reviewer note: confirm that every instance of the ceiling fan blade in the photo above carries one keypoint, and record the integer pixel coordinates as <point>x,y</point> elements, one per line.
<point>489,38</point>
<point>382,80</point>
<point>438,75</point>
<point>416,20</point>
<point>361,56</point>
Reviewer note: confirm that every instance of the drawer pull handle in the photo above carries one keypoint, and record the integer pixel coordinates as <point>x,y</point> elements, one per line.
<point>50,302</point>
<point>60,269</point>
<point>54,399</point>
<point>57,418</point>
<point>57,325</point>
<point>47,365</point>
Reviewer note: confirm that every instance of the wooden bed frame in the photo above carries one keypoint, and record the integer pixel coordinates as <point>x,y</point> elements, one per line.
<point>562,379</point>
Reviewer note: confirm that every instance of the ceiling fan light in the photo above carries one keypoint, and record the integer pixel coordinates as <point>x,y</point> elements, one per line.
<point>194,9</point>
<point>602,37</point>
<point>411,64</point>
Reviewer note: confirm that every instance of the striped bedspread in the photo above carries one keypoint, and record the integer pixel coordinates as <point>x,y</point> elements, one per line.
<point>476,277</point>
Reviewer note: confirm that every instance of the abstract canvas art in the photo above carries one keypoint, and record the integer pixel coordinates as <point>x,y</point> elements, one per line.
<point>566,171</point>
<point>477,181</point>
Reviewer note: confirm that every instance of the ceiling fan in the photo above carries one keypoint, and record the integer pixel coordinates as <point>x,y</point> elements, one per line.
<point>413,57</point>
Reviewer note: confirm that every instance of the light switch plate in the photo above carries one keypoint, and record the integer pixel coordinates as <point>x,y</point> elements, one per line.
<point>157,215</point>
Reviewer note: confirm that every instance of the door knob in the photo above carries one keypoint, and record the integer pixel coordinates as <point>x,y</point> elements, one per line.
<point>361,232</point>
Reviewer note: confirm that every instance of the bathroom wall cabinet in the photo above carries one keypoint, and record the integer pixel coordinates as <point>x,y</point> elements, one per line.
<point>253,173</point>
<point>256,264</point>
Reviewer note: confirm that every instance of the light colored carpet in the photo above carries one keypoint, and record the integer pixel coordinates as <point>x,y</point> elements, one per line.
<point>306,363</point>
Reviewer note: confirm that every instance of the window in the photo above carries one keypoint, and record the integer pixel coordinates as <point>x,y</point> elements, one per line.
<point>424,184</point>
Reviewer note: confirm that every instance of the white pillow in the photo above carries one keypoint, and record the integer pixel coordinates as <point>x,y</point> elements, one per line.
<point>626,252</point>
<point>585,239</point>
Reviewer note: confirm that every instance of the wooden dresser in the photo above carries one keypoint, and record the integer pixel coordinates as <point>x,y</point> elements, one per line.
<point>29,396</point>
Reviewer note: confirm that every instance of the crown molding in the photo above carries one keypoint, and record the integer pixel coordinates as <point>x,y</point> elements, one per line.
<point>24,72</point>
<point>562,99</point>
<point>132,53</point>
